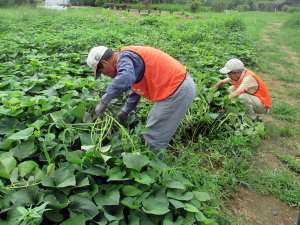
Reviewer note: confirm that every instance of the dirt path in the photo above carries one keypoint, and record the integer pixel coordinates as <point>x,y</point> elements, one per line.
<point>251,207</point>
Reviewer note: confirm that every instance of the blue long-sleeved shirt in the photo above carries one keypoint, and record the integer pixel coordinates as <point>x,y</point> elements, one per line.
<point>130,70</point>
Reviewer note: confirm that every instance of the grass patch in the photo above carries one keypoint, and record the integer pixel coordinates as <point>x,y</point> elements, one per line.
<point>291,30</point>
<point>172,7</point>
<point>283,184</point>
<point>289,76</point>
<point>291,163</point>
<point>286,131</point>
<point>284,111</point>
<point>294,93</point>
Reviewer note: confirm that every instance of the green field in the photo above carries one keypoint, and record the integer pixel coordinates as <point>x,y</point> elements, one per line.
<point>59,163</point>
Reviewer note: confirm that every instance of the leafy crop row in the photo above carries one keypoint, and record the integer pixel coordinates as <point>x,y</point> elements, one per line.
<point>59,163</point>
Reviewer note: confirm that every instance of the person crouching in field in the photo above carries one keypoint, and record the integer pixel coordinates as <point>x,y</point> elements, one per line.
<point>150,73</point>
<point>247,86</point>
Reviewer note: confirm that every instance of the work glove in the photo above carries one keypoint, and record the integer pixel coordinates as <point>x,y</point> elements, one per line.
<point>121,117</point>
<point>100,109</point>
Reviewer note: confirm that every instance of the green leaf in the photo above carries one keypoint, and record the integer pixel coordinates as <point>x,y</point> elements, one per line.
<point>117,176</point>
<point>64,178</point>
<point>82,180</point>
<point>131,203</point>
<point>78,220</point>
<point>199,216</point>
<point>190,208</point>
<point>141,177</point>
<point>79,111</point>
<point>88,139</point>
<point>179,194</point>
<point>105,148</point>
<point>129,190</point>
<point>14,175</point>
<point>135,161</point>
<point>260,128</point>
<point>28,196</point>
<point>87,191</point>
<point>151,206</point>
<point>38,174</point>
<point>37,124</point>
<point>11,217</point>
<point>111,197</point>
<point>186,182</point>
<point>54,214</point>
<point>46,106</point>
<point>48,182</point>
<point>7,124</point>
<point>208,221</point>
<point>169,220</point>
<point>7,163</point>
<point>79,205</point>
<point>114,212</point>
<point>177,204</point>
<point>66,97</point>
<point>22,134</point>
<point>6,143</point>
<point>133,220</point>
<point>57,200</point>
<point>26,167</point>
<point>201,196</point>
<point>25,149</point>
<point>174,184</point>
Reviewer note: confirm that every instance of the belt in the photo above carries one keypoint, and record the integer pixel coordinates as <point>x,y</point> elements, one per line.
<point>186,75</point>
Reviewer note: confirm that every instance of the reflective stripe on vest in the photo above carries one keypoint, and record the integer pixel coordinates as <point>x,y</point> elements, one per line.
<point>262,92</point>
<point>163,74</point>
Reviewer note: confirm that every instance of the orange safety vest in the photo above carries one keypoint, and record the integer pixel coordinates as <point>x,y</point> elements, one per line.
<point>262,92</point>
<point>163,74</point>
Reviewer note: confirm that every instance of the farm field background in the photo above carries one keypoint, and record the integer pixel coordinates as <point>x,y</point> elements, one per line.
<point>58,158</point>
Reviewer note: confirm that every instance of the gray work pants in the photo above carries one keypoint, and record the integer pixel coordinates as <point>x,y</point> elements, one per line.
<point>166,115</point>
<point>252,103</point>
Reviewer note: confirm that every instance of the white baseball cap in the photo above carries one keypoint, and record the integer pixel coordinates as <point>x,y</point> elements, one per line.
<point>232,64</point>
<point>94,57</point>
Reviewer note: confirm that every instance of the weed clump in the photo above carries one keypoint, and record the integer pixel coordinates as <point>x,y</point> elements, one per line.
<point>293,21</point>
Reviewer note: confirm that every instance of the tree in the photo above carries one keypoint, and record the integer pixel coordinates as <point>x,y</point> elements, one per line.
<point>100,2</point>
<point>194,6</point>
<point>219,5</point>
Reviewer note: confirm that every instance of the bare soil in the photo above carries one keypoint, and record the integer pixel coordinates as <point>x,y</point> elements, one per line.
<point>255,208</point>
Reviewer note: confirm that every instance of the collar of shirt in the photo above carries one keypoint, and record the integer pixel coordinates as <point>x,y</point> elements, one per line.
<point>241,77</point>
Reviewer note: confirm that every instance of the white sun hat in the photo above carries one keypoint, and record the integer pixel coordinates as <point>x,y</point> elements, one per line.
<point>232,64</point>
<point>94,57</point>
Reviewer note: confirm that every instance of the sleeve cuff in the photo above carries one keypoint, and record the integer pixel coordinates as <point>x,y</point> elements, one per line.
<point>126,110</point>
<point>106,99</point>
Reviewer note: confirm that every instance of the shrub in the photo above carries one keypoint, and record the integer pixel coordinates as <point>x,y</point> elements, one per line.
<point>194,7</point>
<point>269,7</point>
<point>252,4</point>
<point>235,24</point>
<point>219,5</point>
<point>154,7</point>
<point>88,2</point>
<point>100,2</point>
<point>123,6</point>
<point>181,2</point>
<point>105,6</point>
<point>292,9</point>
<point>117,6</point>
<point>243,8</point>
<point>261,6</point>
<point>293,22</point>
<point>111,5</point>
<point>285,8</point>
